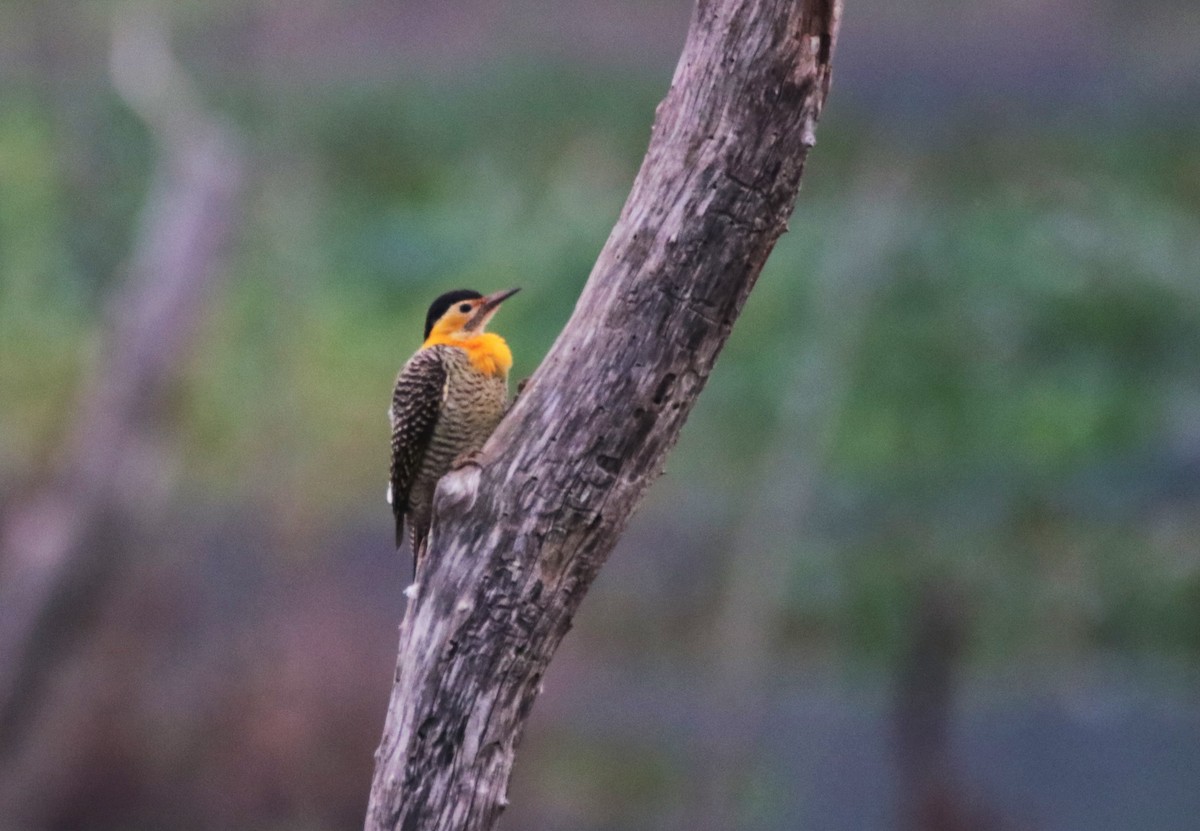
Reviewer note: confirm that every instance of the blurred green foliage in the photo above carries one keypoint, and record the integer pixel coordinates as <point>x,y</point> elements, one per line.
<point>985,348</point>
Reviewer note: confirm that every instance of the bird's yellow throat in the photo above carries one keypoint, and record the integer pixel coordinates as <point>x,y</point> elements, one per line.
<point>488,351</point>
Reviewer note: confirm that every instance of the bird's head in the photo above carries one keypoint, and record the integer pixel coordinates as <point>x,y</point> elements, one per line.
<point>462,313</point>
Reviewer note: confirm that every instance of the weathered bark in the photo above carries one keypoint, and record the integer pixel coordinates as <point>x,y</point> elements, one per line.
<point>60,544</point>
<point>518,537</point>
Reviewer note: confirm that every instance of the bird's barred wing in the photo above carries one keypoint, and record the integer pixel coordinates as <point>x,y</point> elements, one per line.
<point>416,402</point>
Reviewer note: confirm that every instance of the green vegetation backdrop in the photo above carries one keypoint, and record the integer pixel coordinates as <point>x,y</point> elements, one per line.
<point>973,361</point>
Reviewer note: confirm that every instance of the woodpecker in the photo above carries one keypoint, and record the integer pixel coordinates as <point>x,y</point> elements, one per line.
<point>448,399</point>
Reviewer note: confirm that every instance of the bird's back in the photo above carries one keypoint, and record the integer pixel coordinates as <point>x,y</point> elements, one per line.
<point>472,405</point>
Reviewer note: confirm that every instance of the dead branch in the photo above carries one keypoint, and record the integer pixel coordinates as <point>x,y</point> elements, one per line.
<point>519,536</point>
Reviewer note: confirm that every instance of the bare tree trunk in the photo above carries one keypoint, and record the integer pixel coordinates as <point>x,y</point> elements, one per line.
<point>519,536</point>
<point>58,545</point>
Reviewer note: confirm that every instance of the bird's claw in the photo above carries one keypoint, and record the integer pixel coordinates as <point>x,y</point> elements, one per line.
<point>521,385</point>
<point>473,458</point>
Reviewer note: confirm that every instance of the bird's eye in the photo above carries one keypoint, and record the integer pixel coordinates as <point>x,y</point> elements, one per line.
<point>465,308</point>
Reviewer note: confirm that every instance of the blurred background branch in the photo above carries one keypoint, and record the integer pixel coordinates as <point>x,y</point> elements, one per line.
<point>62,543</point>
<point>747,619</point>
<point>934,793</point>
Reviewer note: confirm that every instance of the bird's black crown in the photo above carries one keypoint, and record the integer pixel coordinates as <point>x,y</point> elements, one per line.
<point>438,307</point>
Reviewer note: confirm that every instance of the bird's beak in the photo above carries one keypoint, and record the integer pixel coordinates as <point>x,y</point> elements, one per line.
<point>488,308</point>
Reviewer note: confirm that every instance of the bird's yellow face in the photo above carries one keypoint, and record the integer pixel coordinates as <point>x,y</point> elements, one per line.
<point>467,318</point>
<point>462,325</point>
<point>455,320</point>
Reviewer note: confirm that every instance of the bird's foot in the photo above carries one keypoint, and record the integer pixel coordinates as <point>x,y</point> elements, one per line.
<point>471,459</point>
<point>521,385</point>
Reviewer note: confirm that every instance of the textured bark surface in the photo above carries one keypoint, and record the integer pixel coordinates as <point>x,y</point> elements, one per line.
<point>518,537</point>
